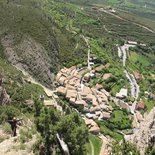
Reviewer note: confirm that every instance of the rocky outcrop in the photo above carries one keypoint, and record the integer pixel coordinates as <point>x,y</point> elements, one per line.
<point>145,135</point>
<point>31,57</point>
<point>4,97</point>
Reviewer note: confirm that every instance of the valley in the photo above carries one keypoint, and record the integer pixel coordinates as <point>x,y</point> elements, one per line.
<point>79,74</point>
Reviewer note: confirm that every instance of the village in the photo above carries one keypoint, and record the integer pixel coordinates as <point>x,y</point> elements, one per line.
<point>73,85</point>
<point>94,101</point>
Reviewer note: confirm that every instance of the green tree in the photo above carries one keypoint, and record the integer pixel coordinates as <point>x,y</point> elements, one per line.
<point>70,127</point>
<point>37,107</point>
<point>74,133</point>
<point>124,148</point>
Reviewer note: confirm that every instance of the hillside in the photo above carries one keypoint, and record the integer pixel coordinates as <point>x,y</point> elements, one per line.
<point>32,40</point>
<point>140,11</point>
<point>41,40</point>
<point>79,74</point>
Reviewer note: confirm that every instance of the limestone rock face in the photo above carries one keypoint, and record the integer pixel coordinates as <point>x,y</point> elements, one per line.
<point>4,97</point>
<point>145,135</point>
<point>32,57</point>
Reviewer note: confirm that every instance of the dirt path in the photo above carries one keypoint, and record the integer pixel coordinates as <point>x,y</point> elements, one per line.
<point>50,93</point>
<point>6,145</point>
<point>104,150</point>
<point>89,49</point>
<point>32,80</point>
<point>10,146</point>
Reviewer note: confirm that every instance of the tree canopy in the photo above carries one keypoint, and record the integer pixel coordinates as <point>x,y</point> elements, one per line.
<point>70,127</point>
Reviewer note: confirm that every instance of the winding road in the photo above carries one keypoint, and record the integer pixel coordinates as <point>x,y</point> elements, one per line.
<point>122,53</point>
<point>133,83</point>
<point>124,49</point>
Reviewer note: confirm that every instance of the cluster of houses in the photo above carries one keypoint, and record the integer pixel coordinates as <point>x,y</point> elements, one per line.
<point>92,125</point>
<point>72,84</point>
<point>122,94</point>
<point>140,105</point>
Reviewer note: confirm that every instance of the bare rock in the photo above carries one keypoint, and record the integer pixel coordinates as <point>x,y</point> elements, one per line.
<point>32,57</point>
<point>145,135</point>
<point>4,97</point>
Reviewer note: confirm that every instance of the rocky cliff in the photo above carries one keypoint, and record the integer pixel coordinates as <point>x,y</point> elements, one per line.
<point>32,41</point>
<point>145,136</point>
<point>32,57</point>
<point>4,97</point>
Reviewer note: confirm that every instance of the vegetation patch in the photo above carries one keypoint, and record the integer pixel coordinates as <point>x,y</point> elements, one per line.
<point>49,122</point>
<point>119,121</point>
<point>97,143</point>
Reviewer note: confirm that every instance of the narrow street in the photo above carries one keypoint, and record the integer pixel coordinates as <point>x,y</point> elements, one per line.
<point>104,150</point>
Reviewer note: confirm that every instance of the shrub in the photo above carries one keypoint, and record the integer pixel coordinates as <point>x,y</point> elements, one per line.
<point>7,128</point>
<point>25,135</point>
<point>7,112</point>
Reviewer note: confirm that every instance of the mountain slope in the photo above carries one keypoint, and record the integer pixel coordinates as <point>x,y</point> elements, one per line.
<point>141,11</point>
<point>32,40</point>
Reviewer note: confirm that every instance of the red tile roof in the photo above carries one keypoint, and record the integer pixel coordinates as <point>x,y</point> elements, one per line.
<point>140,105</point>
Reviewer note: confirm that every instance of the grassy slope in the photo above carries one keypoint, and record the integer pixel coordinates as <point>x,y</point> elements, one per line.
<point>63,15</point>
<point>97,144</point>
<point>142,60</point>
<point>18,90</point>
<point>141,11</point>
<point>37,20</point>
